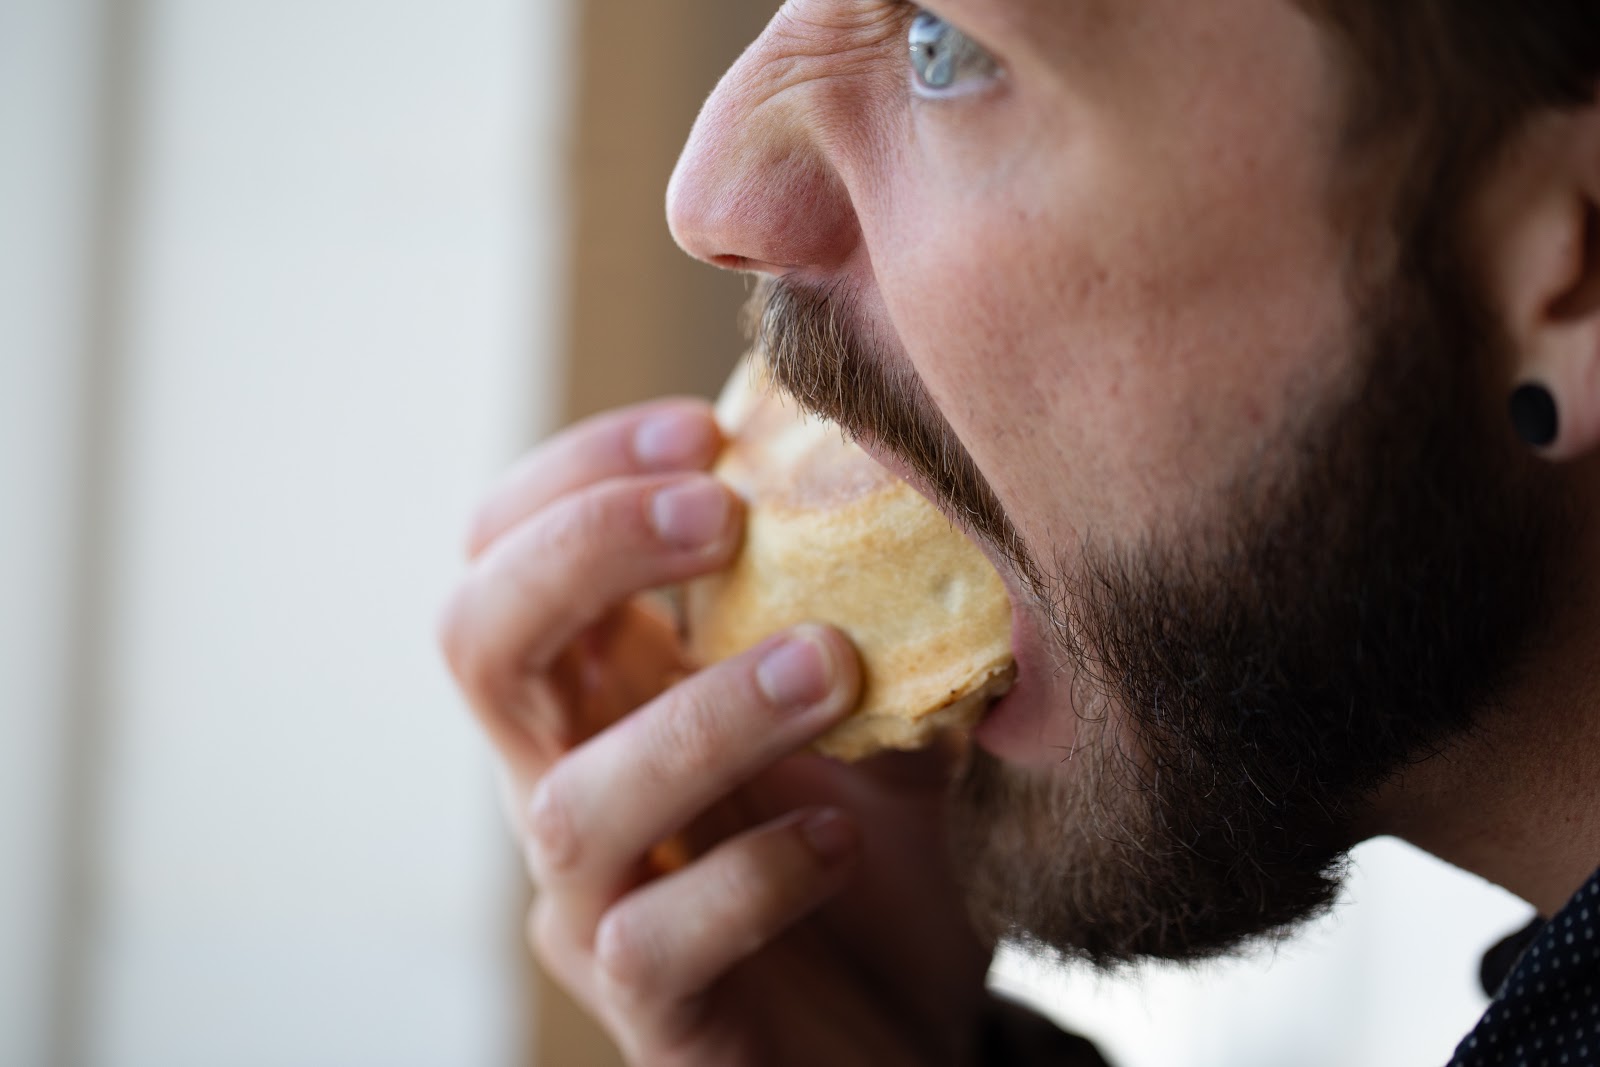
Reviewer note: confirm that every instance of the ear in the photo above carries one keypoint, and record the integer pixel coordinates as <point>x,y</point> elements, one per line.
<point>1541,225</point>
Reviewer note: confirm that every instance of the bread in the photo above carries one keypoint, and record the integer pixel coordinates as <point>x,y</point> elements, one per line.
<point>831,536</point>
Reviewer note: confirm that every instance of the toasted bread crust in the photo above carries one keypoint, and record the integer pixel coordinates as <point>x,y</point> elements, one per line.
<point>833,537</point>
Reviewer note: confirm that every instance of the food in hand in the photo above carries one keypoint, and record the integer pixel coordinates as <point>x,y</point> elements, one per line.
<point>831,536</point>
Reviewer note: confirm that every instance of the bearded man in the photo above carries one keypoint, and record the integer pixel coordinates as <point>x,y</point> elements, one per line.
<point>1257,342</point>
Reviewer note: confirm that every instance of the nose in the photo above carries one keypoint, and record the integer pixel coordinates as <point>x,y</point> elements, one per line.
<point>754,188</point>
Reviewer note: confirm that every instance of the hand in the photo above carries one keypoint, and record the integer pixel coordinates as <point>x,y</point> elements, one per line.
<point>813,919</point>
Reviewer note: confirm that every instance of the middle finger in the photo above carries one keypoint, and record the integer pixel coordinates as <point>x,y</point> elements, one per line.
<point>601,809</point>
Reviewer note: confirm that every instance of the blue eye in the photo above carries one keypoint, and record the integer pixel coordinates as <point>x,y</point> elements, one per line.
<point>942,57</point>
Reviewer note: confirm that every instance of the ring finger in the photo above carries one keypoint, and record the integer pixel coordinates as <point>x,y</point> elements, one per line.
<point>602,807</point>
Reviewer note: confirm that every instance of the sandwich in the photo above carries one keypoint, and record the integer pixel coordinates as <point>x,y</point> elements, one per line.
<point>831,536</point>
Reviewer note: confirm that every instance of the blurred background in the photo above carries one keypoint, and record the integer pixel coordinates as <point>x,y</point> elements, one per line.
<point>282,287</point>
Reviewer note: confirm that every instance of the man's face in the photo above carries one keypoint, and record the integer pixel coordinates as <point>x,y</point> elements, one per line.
<point>1082,282</point>
<point>1112,261</point>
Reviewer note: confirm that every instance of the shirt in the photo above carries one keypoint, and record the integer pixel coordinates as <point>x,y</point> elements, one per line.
<point>1546,1012</point>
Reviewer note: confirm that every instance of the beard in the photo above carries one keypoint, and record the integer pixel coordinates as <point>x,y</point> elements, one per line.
<point>1246,686</point>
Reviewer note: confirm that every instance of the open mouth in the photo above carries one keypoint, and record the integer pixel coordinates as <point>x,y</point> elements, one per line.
<point>1034,723</point>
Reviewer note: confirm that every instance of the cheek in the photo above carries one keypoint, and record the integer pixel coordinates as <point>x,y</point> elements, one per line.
<point>1112,359</point>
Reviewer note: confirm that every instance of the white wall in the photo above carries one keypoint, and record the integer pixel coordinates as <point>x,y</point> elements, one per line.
<point>331,311</point>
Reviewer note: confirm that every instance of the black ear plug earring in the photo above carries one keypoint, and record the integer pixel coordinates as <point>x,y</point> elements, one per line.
<point>1533,415</point>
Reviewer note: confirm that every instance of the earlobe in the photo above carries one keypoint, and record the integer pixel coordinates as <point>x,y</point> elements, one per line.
<point>1557,413</point>
<point>1555,407</point>
<point>1542,216</point>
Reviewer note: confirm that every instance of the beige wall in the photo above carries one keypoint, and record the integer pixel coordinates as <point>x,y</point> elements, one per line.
<point>646,319</point>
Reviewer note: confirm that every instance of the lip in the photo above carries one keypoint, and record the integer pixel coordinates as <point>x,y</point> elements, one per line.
<point>1026,726</point>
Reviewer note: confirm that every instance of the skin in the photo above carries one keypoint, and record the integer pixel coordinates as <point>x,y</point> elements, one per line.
<point>1516,804</point>
<point>1135,214</point>
<point>1116,154</point>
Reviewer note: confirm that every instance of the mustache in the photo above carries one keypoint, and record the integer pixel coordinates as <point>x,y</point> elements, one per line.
<point>835,368</point>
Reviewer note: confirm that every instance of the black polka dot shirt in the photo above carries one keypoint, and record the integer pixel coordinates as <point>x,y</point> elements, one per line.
<point>1546,1013</point>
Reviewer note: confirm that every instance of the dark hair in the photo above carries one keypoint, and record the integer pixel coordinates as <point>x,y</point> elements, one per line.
<point>1436,88</point>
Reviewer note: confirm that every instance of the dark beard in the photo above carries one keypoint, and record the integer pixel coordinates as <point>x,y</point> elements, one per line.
<point>1357,608</point>
<point>1361,597</point>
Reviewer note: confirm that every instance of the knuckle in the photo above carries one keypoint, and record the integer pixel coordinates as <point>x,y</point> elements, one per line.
<point>689,741</point>
<point>547,935</point>
<point>584,522</point>
<point>552,841</point>
<point>625,957</point>
<point>454,633</point>
<point>482,528</point>
<point>573,536</point>
<point>550,939</point>
<point>746,879</point>
<point>563,538</point>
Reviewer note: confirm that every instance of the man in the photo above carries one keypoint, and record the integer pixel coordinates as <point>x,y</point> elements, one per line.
<point>1258,343</point>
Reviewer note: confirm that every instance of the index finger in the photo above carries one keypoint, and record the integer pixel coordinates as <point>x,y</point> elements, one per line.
<point>660,436</point>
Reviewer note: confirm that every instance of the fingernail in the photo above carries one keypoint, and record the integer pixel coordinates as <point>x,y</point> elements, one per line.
<point>691,515</point>
<point>830,834</point>
<point>671,440</point>
<point>798,673</point>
